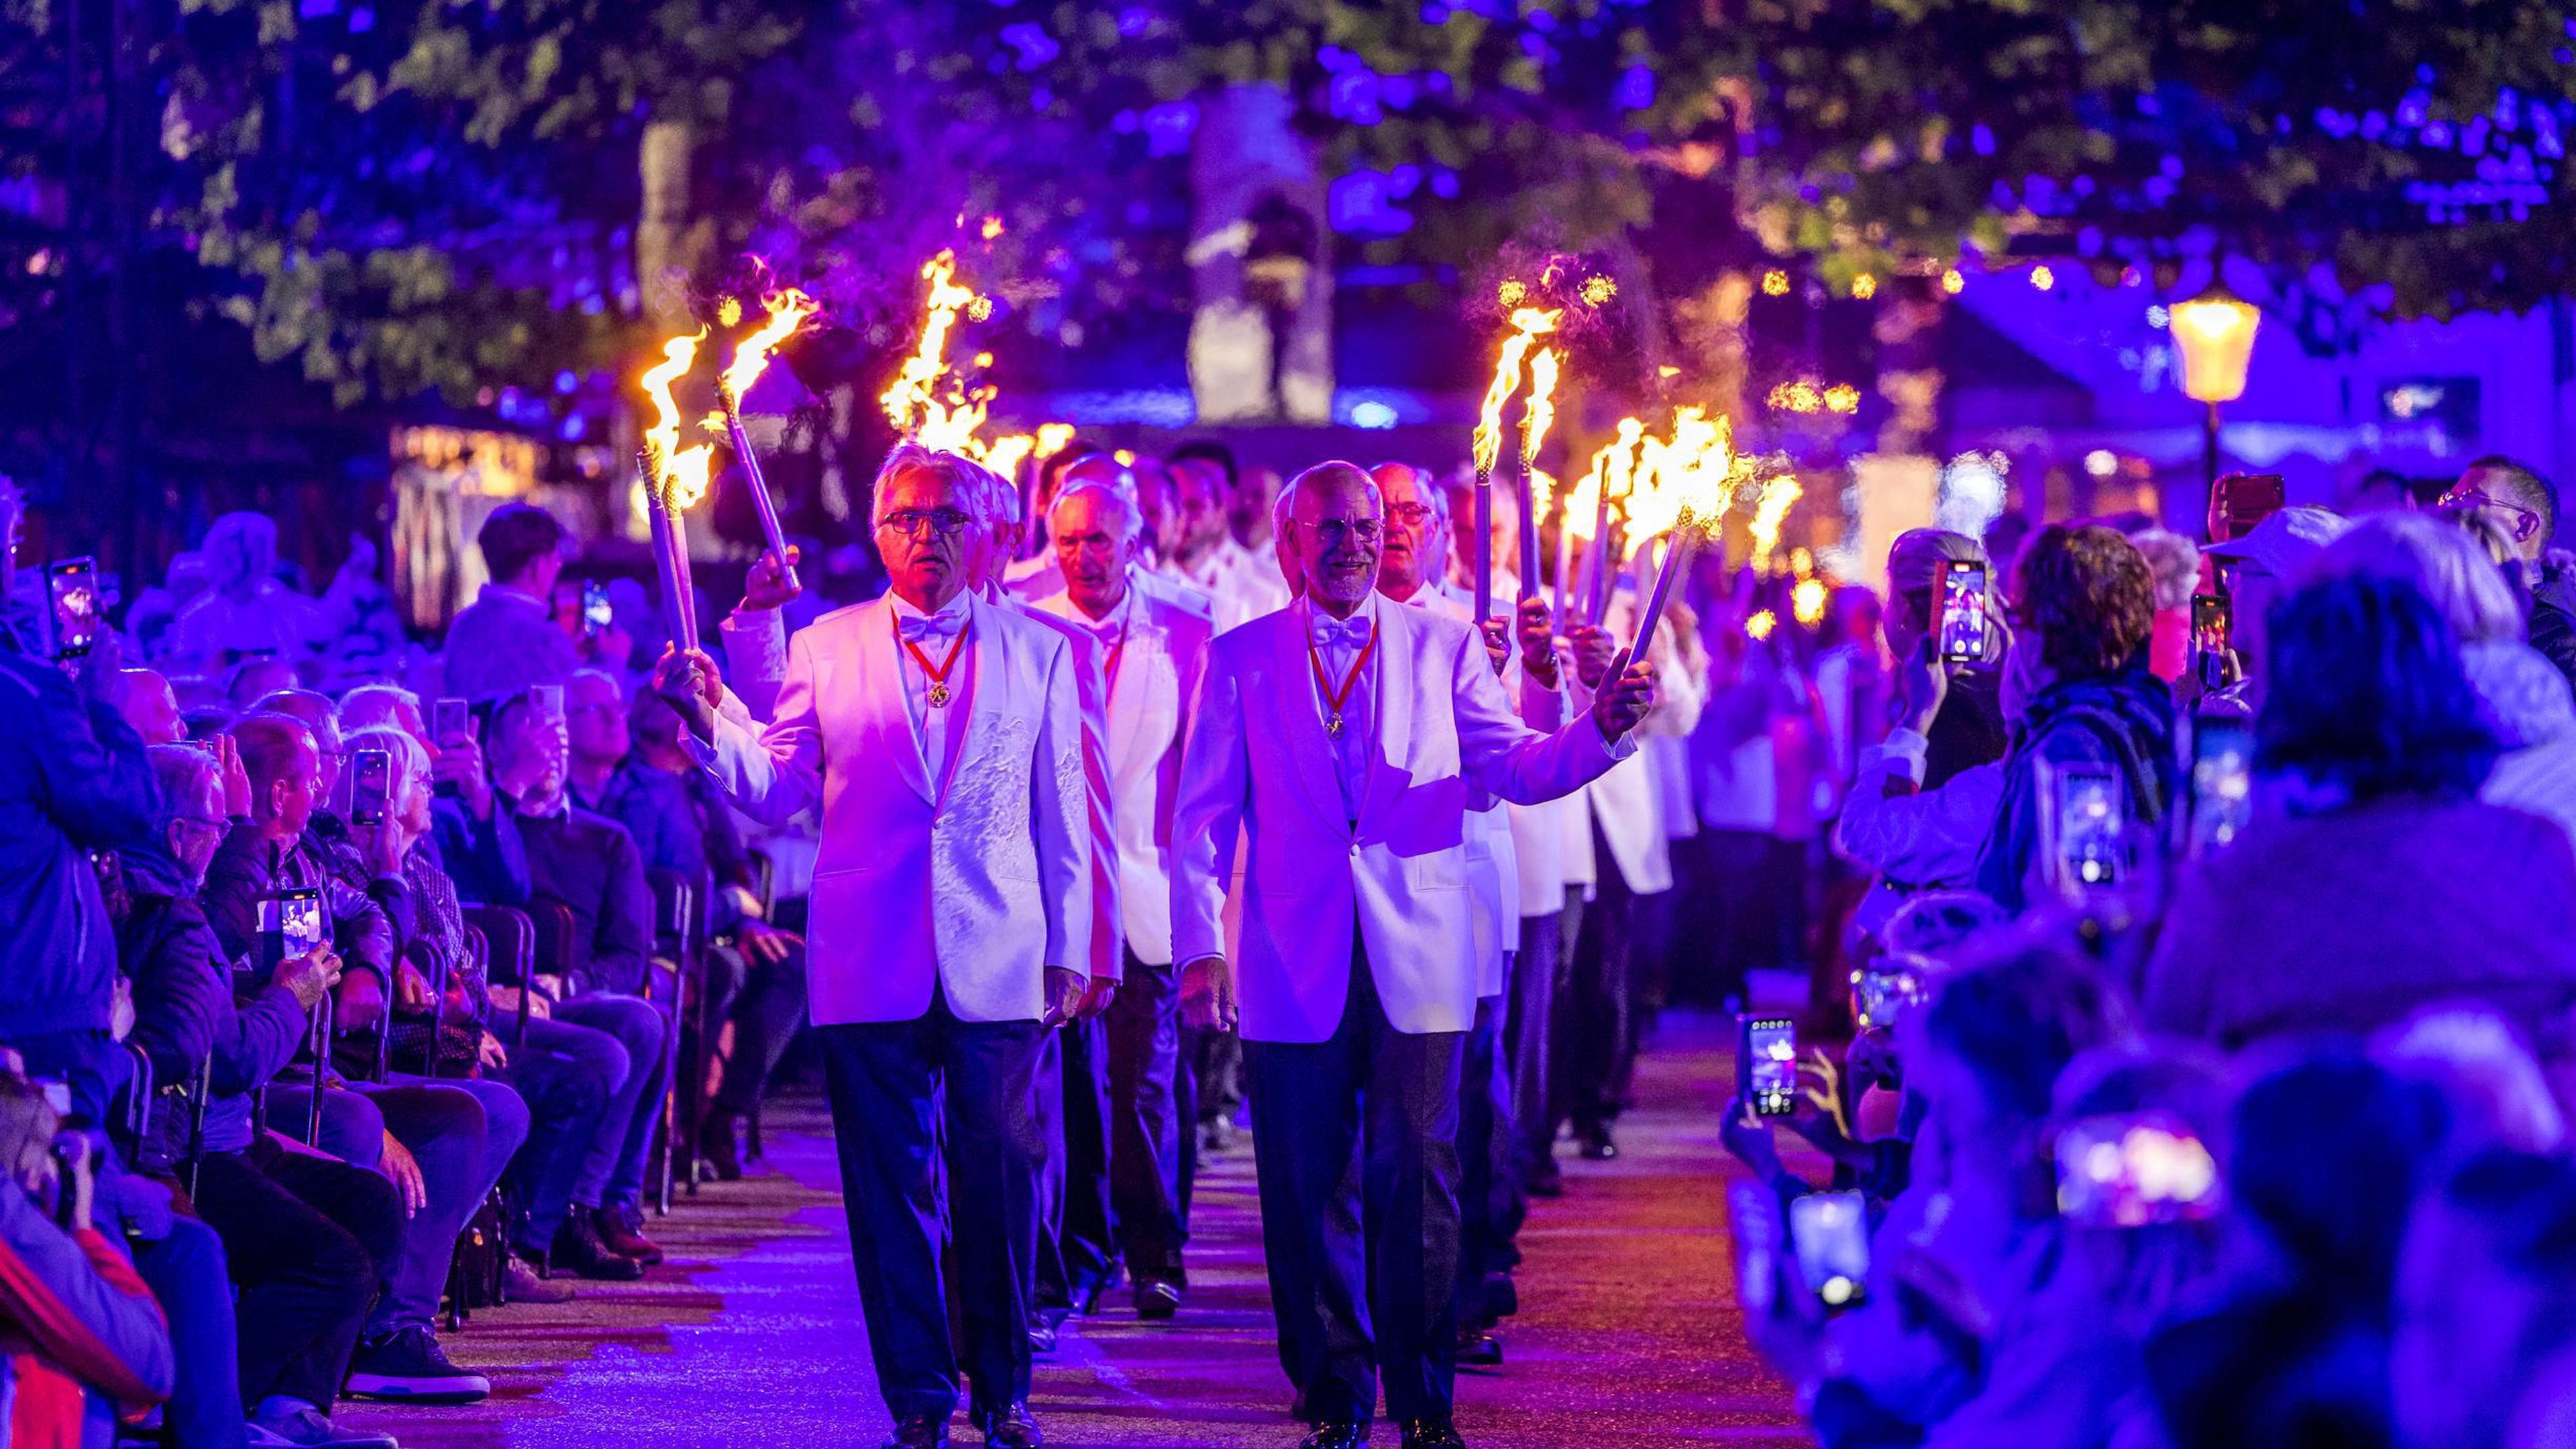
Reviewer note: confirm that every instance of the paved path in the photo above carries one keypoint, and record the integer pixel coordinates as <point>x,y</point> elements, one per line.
<point>751,1335</point>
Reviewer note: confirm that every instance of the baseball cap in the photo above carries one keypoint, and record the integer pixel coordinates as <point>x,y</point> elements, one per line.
<point>2284,544</point>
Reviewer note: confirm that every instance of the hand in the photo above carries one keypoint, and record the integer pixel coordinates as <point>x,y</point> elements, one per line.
<point>1498,645</point>
<point>1624,705</point>
<point>398,1165</point>
<point>1538,641</point>
<point>80,1189</point>
<point>1095,1002</point>
<point>490,1054</point>
<point>362,1001</point>
<point>120,1009</point>
<point>1593,650</point>
<point>460,763</point>
<point>506,999</point>
<point>690,685</point>
<point>1749,1138</point>
<point>411,989</point>
<point>767,945</point>
<point>382,845</point>
<point>767,586</point>
<point>228,764</point>
<point>1064,992</point>
<point>1922,683</point>
<point>1207,994</point>
<point>309,976</point>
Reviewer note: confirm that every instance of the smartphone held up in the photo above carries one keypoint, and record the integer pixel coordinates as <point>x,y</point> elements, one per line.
<point>1964,624</point>
<point>2141,1170</point>
<point>1766,1065</point>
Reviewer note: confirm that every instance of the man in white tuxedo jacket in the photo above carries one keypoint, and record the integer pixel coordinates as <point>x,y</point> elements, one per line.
<point>1154,648</point>
<point>940,738</point>
<point>1322,907</point>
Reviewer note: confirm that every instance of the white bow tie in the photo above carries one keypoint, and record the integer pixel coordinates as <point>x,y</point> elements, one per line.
<point>918,627</point>
<point>1352,632</point>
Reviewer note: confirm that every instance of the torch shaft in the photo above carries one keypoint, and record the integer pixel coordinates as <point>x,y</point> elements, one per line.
<point>760,500</point>
<point>1529,530</point>
<point>1595,558</point>
<point>1564,564</point>
<point>1677,547</point>
<point>1484,547</point>
<point>670,557</point>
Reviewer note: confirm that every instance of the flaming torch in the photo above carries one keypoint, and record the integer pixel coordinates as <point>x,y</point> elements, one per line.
<point>1617,465</point>
<point>1777,496</point>
<point>1698,495</point>
<point>787,312</point>
<point>674,478</point>
<point>1537,416</point>
<point>1528,324</point>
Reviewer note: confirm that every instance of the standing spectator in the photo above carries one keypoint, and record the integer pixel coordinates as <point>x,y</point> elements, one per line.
<point>2259,568</point>
<point>247,610</point>
<point>2385,862</point>
<point>2175,562</point>
<point>2528,504</point>
<point>507,639</point>
<point>2079,657</point>
<point>590,865</point>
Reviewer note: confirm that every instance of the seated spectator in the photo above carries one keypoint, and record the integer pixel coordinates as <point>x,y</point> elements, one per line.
<point>589,865</point>
<point>87,1345</point>
<point>2381,860</point>
<point>507,639</point>
<point>2324,1161</point>
<point>640,775</point>
<point>256,678</point>
<point>309,1239</point>
<point>2078,661</point>
<point>148,703</point>
<point>245,609</point>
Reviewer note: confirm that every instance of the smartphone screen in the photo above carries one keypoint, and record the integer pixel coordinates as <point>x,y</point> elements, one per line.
<point>73,587</point>
<point>595,612</point>
<point>1881,994</point>
<point>290,924</point>
<point>2134,1171</point>
<point>2222,782</point>
<point>1829,1231</point>
<point>2088,819</point>
<point>371,784</point>
<point>450,720</point>
<point>1963,611</point>
<point>1768,1074</point>
<point>2211,620</point>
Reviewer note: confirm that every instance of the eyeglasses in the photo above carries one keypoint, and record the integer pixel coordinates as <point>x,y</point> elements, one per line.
<point>1333,530</point>
<point>911,522</point>
<point>1411,515</point>
<point>2461,498</point>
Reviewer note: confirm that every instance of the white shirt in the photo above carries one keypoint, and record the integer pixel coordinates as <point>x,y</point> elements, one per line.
<point>1341,645</point>
<point>935,633</point>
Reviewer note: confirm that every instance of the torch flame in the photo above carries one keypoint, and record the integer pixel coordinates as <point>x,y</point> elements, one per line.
<point>1777,495</point>
<point>1681,482</point>
<point>1621,473</point>
<point>1528,324</point>
<point>1053,438</point>
<point>788,310</point>
<point>683,471</point>
<point>1576,510</point>
<point>1005,454</point>
<point>1539,414</point>
<point>911,402</point>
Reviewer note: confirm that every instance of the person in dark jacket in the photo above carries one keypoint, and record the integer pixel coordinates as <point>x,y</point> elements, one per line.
<point>2527,504</point>
<point>72,781</point>
<point>309,1238</point>
<point>2082,618</point>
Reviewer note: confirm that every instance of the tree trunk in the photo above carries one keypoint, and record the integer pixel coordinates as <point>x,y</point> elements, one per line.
<point>1242,368</point>
<point>661,234</point>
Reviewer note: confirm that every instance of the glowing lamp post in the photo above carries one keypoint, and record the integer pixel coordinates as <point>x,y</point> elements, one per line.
<point>2215,332</point>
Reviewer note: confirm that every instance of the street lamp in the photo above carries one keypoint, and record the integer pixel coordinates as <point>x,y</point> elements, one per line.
<point>2215,331</point>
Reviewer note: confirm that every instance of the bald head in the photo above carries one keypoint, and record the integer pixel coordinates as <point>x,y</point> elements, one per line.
<point>1336,527</point>
<point>146,701</point>
<point>1417,530</point>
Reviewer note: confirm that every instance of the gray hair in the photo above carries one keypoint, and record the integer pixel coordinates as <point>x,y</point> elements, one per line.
<point>310,706</point>
<point>2438,557</point>
<point>410,760</point>
<point>375,704</point>
<point>1334,468</point>
<point>185,773</point>
<point>973,481</point>
<point>1131,514</point>
<point>2174,561</point>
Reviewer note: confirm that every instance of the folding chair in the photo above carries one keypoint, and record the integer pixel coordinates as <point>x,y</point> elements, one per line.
<point>679,935</point>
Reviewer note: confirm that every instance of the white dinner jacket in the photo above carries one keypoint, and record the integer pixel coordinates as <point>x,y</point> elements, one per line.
<point>1091,691</point>
<point>1628,801</point>
<point>1164,649</point>
<point>975,875</point>
<point>1257,767</point>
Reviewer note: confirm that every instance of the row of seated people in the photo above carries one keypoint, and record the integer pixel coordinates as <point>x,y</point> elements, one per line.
<point>546,925</point>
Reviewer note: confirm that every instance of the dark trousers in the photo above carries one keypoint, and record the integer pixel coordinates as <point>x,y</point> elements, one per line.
<point>1357,1157</point>
<point>766,1015</point>
<point>1593,1020</point>
<point>1145,1125</point>
<point>1733,909</point>
<point>567,1075</point>
<point>1485,1157</point>
<point>907,1206</point>
<point>185,1270</point>
<point>1192,1048</point>
<point>311,1241</point>
<point>1528,1029</point>
<point>463,1134</point>
<point>1075,1248</point>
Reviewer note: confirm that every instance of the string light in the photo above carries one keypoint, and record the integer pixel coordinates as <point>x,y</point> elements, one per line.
<point>2042,277</point>
<point>1775,283</point>
<point>1952,282</point>
<point>1864,287</point>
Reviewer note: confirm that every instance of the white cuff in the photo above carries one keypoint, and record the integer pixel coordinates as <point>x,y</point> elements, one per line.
<point>1903,752</point>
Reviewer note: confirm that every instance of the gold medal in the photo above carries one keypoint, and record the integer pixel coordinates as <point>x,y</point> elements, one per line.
<point>938,695</point>
<point>1333,727</point>
<point>1335,699</point>
<point>937,674</point>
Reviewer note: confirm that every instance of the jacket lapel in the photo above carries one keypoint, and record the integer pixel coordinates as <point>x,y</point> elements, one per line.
<point>1301,719</point>
<point>984,676</point>
<point>1141,667</point>
<point>887,726</point>
<point>1397,642</point>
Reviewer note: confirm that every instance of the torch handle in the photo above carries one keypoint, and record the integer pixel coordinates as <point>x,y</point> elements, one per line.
<point>750,460</point>
<point>1529,531</point>
<point>1594,558</point>
<point>1484,547</point>
<point>669,554</point>
<point>1677,547</point>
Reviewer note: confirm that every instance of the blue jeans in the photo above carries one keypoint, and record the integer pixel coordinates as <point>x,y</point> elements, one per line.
<point>567,1075</point>
<point>613,1174</point>
<point>463,1133</point>
<point>185,1270</point>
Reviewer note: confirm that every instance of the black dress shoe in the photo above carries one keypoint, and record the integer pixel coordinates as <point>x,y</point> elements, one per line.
<point>1432,1434</point>
<point>719,1146</point>
<point>1012,1428</point>
<point>1479,1349</point>
<point>579,1250</point>
<point>1156,1300</point>
<point>1597,1144</point>
<point>1041,1335</point>
<point>920,1432</point>
<point>1336,1436</point>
